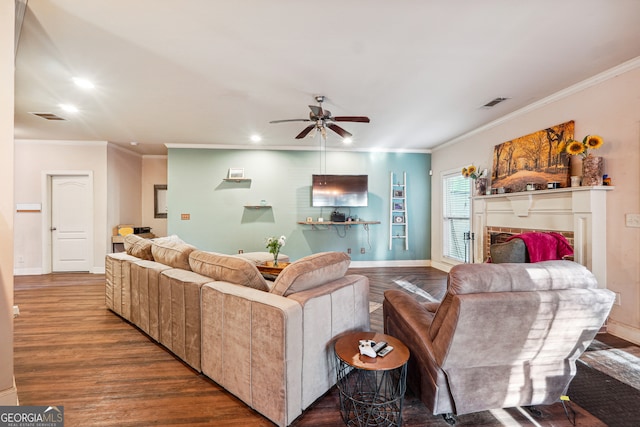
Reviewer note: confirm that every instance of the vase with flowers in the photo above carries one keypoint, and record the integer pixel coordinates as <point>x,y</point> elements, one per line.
<point>592,166</point>
<point>274,244</point>
<point>480,178</point>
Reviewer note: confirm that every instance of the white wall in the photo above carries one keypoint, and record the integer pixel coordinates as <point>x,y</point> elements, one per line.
<point>606,105</point>
<point>154,172</point>
<point>8,393</point>
<point>35,158</point>
<point>124,174</point>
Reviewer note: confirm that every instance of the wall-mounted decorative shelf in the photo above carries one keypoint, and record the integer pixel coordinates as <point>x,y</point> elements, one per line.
<point>236,179</point>
<point>346,224</point>
<point>257,206</point>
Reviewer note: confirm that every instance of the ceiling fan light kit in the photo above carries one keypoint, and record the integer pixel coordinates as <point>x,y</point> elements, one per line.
<point>323,119</point>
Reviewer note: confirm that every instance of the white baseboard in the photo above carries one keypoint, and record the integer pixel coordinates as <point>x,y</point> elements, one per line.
<point>36,271</point>
<point>441,266</point>
<point>625,332</point>
<point>391,263</point>
<point>9,397</point>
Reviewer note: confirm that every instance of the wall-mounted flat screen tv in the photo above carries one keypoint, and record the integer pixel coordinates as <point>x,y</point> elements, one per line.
<point>340,191</point>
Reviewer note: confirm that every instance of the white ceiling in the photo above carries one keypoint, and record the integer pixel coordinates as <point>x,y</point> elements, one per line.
<point>216,72</point>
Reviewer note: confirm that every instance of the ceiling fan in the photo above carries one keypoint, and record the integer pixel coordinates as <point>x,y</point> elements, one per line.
<point>323,119</point>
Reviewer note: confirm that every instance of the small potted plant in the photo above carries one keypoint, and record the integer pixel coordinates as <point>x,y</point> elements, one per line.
<point>274,244</point>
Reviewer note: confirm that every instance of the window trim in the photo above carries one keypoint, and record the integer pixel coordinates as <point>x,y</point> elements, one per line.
<point>445,241</point>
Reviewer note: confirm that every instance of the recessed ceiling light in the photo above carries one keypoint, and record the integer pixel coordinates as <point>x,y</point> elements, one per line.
<point>69,108</point>
<point>133,143</point>
<point>256,138</point>
<point>83,83</point>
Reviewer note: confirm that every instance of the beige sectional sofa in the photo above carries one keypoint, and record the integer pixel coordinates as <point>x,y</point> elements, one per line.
<point>268,343</point>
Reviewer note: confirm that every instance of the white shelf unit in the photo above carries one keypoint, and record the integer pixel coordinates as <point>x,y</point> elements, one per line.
<point>398,219</point>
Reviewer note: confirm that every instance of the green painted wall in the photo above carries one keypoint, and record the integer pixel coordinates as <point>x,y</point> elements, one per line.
<point>220,222</point>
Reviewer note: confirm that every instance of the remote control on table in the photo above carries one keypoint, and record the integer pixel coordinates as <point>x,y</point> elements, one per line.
<point>386,350</point>
<point>379,346</point>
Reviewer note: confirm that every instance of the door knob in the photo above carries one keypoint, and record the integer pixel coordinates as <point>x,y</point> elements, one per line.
<point>53,229</point>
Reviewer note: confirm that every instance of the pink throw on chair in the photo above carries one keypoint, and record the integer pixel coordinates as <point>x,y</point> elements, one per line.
<point>545,246</point>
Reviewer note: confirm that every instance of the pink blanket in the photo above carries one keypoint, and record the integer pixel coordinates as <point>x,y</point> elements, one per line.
<point>545,246</point>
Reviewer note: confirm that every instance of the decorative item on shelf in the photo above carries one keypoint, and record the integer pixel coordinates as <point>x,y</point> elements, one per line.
<point>575,181</point>
<point>274,244</point>
<point>592,166</point>
<point>236,173</point>
<point>480,178</point>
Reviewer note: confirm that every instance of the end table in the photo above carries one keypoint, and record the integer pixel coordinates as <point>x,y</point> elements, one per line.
<point>371,389</point>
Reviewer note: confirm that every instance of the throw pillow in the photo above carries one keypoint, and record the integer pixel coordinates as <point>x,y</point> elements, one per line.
<point>138,247</point>
<point>174,255</point>
<point>310,272</point>
<point>227,268</point>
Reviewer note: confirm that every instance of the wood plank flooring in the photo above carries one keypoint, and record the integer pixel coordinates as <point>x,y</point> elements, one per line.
<point>71,351</point>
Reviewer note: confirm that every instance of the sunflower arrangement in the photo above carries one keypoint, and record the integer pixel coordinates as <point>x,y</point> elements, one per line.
<point>590,142</point>
<point>472,172</point>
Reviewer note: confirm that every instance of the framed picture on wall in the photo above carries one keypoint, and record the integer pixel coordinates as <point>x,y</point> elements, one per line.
<point>159,201</point>
<point>533,161</point>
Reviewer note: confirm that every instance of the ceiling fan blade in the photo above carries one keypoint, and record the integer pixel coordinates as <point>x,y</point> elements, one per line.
<point>316,110</point>
<point>361,119</point>
<point>290,120</point>
<point>305,131</point>
<point>337,129</point>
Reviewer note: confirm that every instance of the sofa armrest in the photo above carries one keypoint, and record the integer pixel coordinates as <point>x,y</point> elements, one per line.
<point>409,321</point>
<point>329,311</point>
<point>431,307</point>
<point>252,346</point>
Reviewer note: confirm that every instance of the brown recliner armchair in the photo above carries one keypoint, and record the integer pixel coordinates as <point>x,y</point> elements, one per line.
<point>505,335</point>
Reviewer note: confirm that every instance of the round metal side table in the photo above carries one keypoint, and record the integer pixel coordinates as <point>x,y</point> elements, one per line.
<point>371,389</point>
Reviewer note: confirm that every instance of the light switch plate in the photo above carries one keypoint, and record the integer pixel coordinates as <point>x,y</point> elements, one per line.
<point>632,220</point>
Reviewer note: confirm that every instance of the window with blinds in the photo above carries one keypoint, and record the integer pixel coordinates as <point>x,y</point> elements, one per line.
<point>456,216</point>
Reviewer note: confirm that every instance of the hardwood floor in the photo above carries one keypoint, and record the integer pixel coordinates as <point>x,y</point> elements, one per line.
<point>71,351</point>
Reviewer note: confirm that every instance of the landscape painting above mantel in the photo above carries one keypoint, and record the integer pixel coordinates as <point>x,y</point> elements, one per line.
<point>536,160</point>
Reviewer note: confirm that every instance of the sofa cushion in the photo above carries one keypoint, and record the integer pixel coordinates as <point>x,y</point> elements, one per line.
<point>138,247</point>
<point>311,271</point>
<point>173,254</point>
<point>227,268</point>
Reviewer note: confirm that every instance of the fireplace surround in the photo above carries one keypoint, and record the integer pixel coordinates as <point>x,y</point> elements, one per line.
<point>578,213</point>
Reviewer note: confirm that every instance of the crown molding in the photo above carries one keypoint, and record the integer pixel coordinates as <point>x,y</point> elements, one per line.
<point>295,148</point>
<point>578,87</point>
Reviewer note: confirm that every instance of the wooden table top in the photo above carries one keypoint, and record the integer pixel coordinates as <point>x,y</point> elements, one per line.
<point>348,351</point>
<point>268,268</point>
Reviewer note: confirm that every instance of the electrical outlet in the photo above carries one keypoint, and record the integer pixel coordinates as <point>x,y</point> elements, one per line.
<point>16,311</point>
<point>632,220</point>
<point>361,250</point>
<point>617,300</point>
<point>185,217</point>
<point>349,251</point>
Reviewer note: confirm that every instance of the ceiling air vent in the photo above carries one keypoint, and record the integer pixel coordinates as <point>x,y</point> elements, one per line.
<point>48,116</point>
<point>494,102</point>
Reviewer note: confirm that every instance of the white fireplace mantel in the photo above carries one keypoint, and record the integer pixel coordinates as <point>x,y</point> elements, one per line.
<point>582,210</point>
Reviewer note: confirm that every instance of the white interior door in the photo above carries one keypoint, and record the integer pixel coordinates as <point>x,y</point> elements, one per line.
<point>71,223</point>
